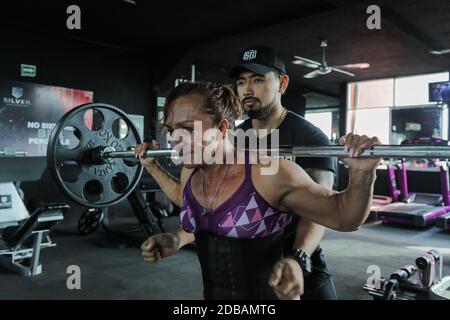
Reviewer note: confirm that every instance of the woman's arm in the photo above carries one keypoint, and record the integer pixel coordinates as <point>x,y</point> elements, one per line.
<point>308,233</point>
<point>342,211</point>
<point>169,184</point>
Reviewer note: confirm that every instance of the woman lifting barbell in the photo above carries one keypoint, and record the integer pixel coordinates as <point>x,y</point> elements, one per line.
<point>235,214</point>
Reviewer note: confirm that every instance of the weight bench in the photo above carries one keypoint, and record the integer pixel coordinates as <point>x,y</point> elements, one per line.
<point>20,246</point>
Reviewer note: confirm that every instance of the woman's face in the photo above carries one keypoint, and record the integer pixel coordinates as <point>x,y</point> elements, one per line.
<point>187,125</point>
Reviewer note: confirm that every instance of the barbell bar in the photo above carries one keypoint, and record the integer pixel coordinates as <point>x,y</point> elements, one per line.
<point>379,151</point>
<point>101,170</point>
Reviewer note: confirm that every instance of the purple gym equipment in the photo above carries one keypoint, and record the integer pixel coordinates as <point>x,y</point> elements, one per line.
<point>415,214</point>
<point>416,197</point>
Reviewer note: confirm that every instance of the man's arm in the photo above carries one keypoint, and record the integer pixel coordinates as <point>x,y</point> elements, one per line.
<point>309,234</point>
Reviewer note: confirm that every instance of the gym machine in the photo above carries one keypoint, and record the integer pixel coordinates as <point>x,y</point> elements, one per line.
<point>414,282</point>
<point>24,234</point>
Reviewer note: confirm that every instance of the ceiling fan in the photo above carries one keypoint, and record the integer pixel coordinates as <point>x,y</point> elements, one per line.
<point>323,68</point>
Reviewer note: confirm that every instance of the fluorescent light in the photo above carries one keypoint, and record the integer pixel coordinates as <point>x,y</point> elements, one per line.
<point>440,51</point>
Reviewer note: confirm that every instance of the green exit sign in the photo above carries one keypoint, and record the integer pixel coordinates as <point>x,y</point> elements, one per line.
<point>160,102</point>
<point>27,70</point>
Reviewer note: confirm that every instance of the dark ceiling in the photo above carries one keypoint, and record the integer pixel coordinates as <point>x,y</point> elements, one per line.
<point>143,24</point>
<point>213,33</point>
<point>410,29</point>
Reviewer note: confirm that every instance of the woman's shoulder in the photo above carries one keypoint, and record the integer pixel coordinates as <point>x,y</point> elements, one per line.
<point>269,168</point>
<point>274,178</point>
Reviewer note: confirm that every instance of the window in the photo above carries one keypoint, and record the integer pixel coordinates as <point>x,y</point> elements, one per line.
<point>371,122</point>
<point>322,120</point>
<point>413,91</point>
<point>410,123</point>
<point>369,105</point>
<point>370,94</point>
<point>327,121</point>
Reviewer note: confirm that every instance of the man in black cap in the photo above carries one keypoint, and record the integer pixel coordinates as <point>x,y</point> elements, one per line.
<point>261,80</point>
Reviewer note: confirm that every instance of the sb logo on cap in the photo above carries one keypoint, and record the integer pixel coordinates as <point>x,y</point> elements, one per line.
<point>249,55</point>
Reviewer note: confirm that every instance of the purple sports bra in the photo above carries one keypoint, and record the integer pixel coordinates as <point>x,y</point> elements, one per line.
<point>245,214</point>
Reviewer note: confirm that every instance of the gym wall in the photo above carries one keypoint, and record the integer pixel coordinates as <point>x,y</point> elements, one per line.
<point>117,76</point>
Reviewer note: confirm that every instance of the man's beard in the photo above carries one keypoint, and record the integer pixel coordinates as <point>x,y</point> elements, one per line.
<point>260,114</point>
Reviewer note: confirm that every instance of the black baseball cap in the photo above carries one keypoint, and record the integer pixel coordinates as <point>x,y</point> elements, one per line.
<point>260,60</point>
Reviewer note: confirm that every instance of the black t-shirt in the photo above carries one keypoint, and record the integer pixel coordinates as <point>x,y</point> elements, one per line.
<point>297,131</point>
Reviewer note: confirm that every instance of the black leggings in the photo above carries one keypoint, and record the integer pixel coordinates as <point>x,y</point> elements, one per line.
<point>319,284</point>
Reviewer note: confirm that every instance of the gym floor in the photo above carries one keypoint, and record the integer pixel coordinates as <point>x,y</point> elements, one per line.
<point>112,269</point>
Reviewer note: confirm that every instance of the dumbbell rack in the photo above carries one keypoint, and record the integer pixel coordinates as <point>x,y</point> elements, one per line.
<point>402,286</point>
<point>388,290</point>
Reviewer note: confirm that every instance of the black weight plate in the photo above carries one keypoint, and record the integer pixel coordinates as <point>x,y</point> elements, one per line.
<point>93,185</point>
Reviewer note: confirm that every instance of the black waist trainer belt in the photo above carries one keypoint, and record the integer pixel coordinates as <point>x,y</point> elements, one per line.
<point>238,268</point>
